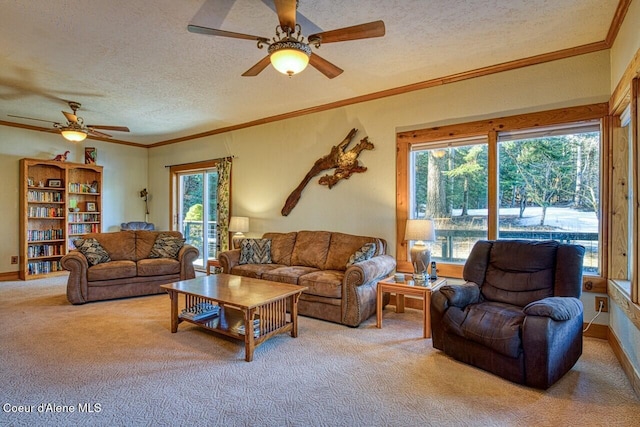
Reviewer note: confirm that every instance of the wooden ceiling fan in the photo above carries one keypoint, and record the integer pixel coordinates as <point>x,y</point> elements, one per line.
<point>288,52</point>
<point>75,130</point>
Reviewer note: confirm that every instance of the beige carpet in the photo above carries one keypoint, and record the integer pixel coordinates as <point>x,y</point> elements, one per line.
<point>119,359</point>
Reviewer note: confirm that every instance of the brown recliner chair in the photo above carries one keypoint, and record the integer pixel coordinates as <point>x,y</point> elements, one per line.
<point>518,315</point>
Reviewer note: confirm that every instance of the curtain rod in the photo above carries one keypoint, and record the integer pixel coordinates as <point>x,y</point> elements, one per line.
<point>184,164</point>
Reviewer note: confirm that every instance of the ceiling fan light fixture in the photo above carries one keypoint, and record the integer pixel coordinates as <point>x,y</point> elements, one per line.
<point>73,135</point>
<point>289,56</point>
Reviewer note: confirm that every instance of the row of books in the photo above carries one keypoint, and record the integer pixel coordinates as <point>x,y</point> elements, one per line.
<point>44,212</point>
<point>200,311</point>
<point>44,196</point>
<point>40,235</point>
<point>43,267</point>
<point>84,217</point>
<point>84,228</point>
<point>43,250</point>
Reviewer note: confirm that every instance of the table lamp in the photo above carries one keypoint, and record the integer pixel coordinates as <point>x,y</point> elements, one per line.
<point>238,225</point>
<point>420,231</point>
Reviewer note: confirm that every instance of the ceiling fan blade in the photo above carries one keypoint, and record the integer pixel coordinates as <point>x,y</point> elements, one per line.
<point>118,128</point>
<point>97,133</point>
<point>70,117</point>
<point>222,33</point>
<point>286,10</point>
<point>257,69</point>
<point>324,66</point>
<point>362,31</point>
<point>31,118</point>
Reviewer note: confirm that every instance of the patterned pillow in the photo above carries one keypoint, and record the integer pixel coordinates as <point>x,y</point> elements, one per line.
<point>255,251</point>
<point>92,250</point>
<point>364,253</point>
<point>166,246</point>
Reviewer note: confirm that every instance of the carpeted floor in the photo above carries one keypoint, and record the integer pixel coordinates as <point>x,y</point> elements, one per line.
<point>115,363</point>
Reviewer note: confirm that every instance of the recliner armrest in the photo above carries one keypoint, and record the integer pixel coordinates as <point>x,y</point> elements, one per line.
<point>557,308</point>
<point>461,295</point>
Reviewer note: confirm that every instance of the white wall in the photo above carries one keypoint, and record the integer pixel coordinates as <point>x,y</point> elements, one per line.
<point>125,174</point>
<point>272,159</point>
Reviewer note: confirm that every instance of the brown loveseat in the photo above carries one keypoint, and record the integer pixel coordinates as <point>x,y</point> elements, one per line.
<point>130,271</point>
<point>318,260</point>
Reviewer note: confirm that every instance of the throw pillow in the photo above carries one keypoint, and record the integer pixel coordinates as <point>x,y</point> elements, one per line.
<point>92,250</point>
<point>166,246</point>
<point>364,253</point>
<point>255,251</point>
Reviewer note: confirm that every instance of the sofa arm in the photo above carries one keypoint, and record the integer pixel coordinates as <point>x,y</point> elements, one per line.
<point>369,270</point>
<point>186,256</point>
<point>78,266</point>
<point>461,295</point>
<point>229,259</point>
<point>359,288</point>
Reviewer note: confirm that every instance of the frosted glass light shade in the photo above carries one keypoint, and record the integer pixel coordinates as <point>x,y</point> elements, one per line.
<point>73,135</point>
<point>289,57</point>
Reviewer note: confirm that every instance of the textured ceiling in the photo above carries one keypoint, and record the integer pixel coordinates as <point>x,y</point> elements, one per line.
<point>133,63</point>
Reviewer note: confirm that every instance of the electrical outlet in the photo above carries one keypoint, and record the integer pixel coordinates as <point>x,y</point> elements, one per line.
<point>14,259</point>
<point>605,304</point>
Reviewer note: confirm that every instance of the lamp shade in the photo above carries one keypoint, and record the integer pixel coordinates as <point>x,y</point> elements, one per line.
<point>420,230</point>
<point>73,135</point>
<point>239,224</point>
<point>289,56</point>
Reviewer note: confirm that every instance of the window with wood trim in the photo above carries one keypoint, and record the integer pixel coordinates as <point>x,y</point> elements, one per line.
<point>538,177</point>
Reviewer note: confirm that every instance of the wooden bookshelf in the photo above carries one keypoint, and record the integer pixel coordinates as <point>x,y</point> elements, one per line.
<point>59,202</point>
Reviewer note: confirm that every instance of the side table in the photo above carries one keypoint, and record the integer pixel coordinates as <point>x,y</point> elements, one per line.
<point>408,287</point>
<point>212,263</point>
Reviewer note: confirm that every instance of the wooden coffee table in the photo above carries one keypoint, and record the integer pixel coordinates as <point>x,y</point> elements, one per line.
<point>408,287</point>
<point>246,305</point>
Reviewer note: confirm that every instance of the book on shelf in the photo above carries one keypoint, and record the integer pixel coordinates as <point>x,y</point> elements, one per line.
<point>239,328</point>
<point>200,311</point>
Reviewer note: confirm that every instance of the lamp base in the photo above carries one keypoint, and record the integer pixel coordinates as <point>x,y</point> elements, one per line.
<point>236,240</point>
<point>420,259</point>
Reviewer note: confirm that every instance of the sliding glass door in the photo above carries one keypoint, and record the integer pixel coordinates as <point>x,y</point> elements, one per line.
<point>197,211</point>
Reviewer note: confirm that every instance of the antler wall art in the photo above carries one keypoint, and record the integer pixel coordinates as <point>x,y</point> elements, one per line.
<point>345,162</point>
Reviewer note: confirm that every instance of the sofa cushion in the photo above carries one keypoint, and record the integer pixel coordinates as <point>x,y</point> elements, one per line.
<point>324,283</point>
<point>311,249</point>
<point>492,324</point>
<point>112,270</point>
<point>288,274</point>
<point>364,253</point>
<point>253,270</point>
<point>120,245</point>
<point>92,250</point>
<point>166,246</point>
<point>281,246</point>
<point>255,251</point>
<point>341,248</point>
<point>158,266</point>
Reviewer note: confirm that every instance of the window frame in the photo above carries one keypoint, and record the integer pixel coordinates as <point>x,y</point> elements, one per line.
<point>489,129</point>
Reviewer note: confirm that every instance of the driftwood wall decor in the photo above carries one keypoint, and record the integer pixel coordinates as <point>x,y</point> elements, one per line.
<point>344,162</point>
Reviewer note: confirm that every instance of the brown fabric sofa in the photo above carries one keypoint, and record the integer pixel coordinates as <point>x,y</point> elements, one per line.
<point>130,272</point>
<point>518,315</point>
<point>318,260</point>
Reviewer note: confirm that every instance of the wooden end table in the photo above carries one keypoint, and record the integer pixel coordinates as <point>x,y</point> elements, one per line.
<point>251,310</point>
<point>408,287</point>
<point>212,263</point>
